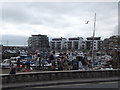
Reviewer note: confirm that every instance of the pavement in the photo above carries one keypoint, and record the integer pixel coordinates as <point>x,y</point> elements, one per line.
<point>58,82</point>
<point>82,86</point>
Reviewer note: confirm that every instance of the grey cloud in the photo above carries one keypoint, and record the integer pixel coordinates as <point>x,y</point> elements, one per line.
<point>116,31</point>
<point>14,40</point>
<point>51,15</point>
<point>14,14</point>
<point>38,13</point>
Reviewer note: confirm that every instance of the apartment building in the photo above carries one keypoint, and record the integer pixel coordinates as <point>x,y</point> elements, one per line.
<point>58,43</point>
<point>75,43</point>
<point>70,44</point>
<point>96,45</point>
<point>38,42</point>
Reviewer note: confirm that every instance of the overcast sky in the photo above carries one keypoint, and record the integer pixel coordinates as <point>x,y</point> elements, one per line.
<point>56,19</point>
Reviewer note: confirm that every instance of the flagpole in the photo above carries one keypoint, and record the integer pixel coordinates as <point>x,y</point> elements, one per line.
<point>93,39</point>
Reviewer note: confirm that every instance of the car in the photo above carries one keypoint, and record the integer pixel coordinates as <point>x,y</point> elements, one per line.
<point>5,63</point>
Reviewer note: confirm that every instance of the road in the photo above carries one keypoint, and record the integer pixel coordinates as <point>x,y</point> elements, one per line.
<point>84,85</point>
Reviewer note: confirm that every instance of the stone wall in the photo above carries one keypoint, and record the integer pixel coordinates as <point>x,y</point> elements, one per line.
<point>58,75</point>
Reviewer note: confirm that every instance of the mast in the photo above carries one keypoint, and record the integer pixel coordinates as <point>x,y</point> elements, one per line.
<point>93,39</point>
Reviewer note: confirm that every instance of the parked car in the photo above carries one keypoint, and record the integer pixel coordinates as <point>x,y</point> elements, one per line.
<point>6,63</point>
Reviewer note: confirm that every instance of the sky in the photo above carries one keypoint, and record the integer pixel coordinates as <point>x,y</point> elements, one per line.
<point>20,20</point>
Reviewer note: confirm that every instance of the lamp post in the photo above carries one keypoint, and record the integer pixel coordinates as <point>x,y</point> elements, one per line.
<point>93,40</point>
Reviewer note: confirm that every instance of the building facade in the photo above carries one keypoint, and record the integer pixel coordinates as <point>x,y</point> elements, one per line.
<point>38,42</point>
<point>63,43</point>
<point>75,43</point>
<point>58,43</point>
<point>96,45</point>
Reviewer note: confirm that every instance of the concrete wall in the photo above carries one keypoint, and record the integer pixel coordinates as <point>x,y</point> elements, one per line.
<point>58,75</point>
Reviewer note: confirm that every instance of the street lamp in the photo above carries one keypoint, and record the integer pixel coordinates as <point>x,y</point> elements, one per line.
<point>93,39</point>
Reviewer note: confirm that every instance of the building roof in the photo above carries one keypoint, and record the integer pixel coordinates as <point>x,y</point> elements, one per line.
<point>95,38</point>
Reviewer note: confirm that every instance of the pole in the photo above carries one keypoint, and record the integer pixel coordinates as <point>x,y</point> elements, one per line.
<point>93,39</point>
<point>7,42</point>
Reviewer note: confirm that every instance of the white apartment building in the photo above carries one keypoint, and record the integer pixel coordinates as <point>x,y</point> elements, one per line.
<point>58,43</point>
<point>97,43</point>
<point>75,43</point>
<point>70,44</point>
